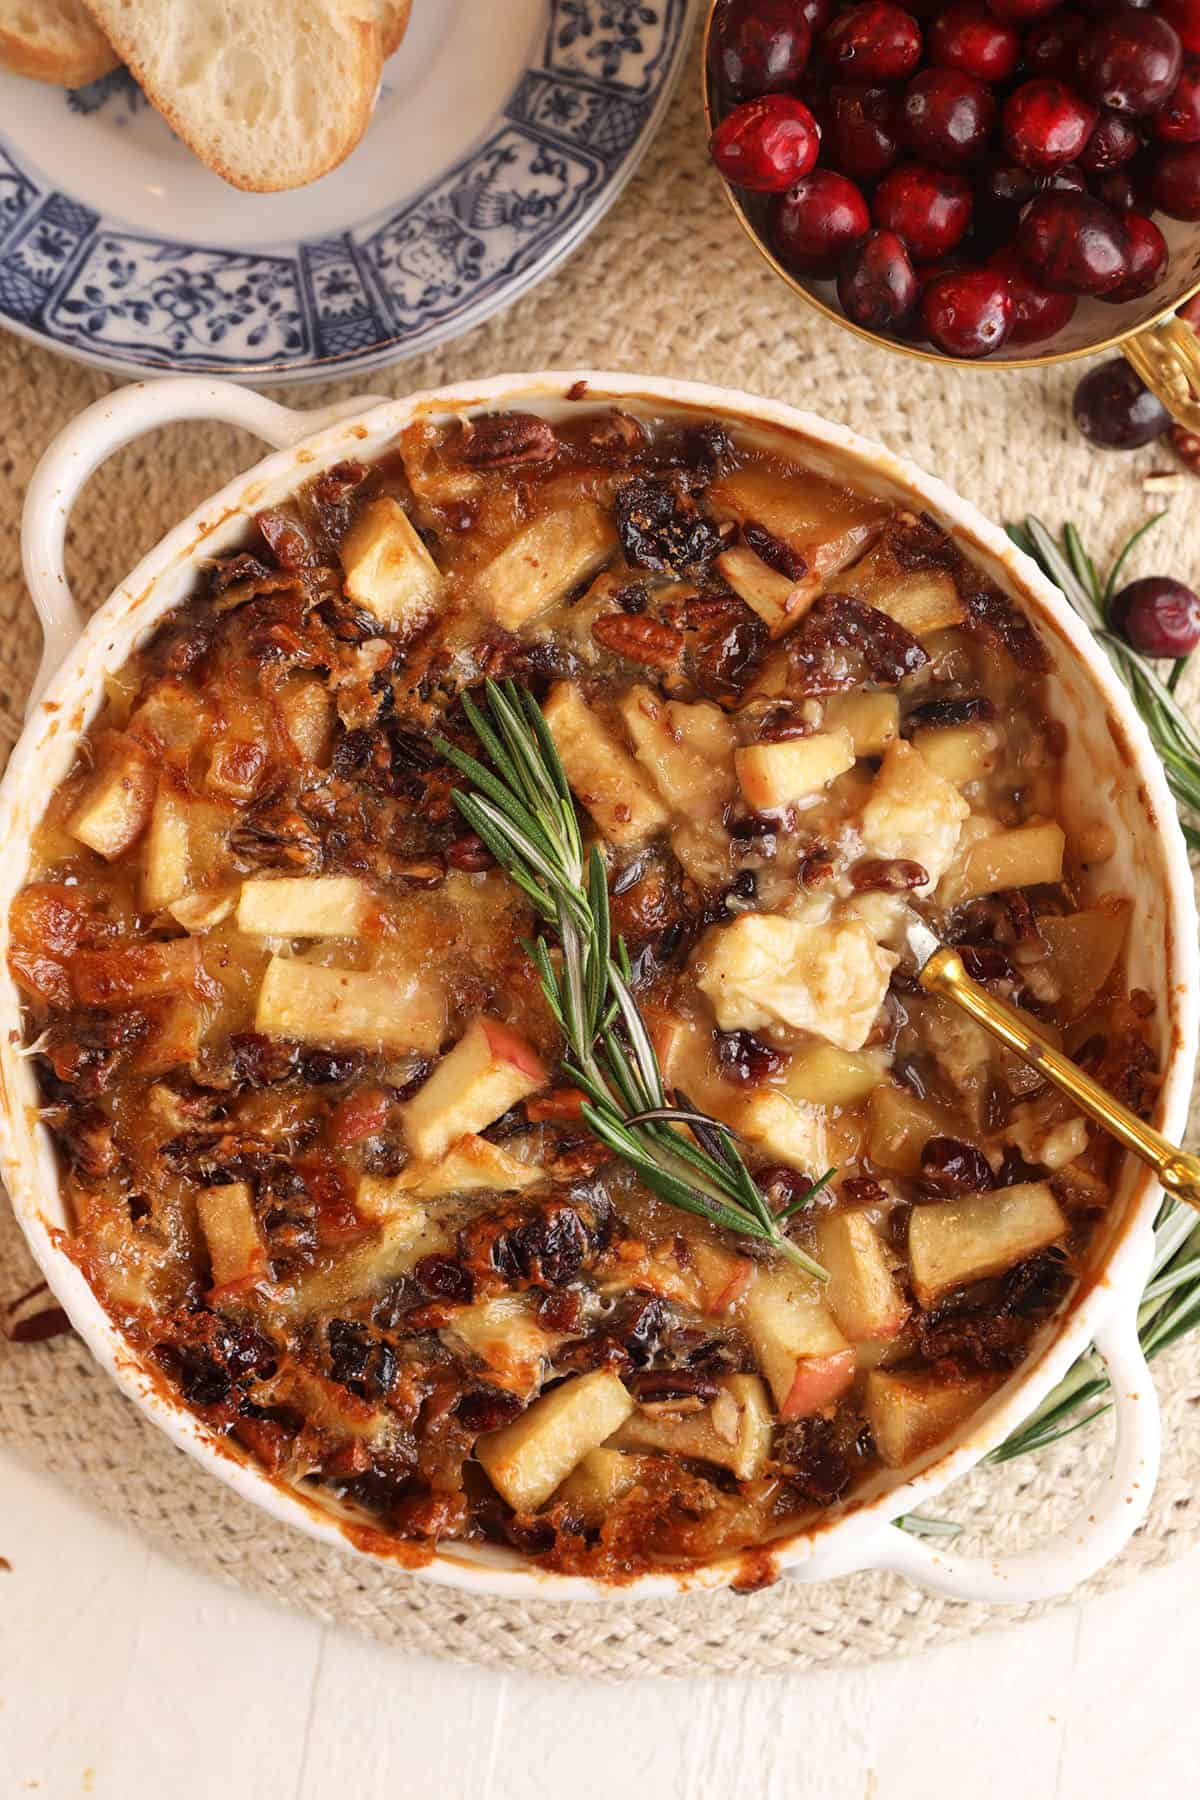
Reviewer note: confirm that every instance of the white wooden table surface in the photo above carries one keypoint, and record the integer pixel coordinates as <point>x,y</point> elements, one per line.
<point>125,1675</point>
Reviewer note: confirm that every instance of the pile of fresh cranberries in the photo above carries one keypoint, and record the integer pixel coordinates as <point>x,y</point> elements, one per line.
<point>965,171</point>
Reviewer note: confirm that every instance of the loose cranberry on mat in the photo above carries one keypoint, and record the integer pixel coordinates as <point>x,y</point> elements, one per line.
<point>1115,410</point>
<point>817,221</point>
<point>1073,244</point>
<point>1158,616</point>
<point>1175,182</point>
<point>1148,259</point>
<point>876,283</point>
<point>759,47</point>
<point>1037,313</point>
<point>875,41</point>
<point>967,37</point>
<point>766,144</point>
<point>929,208</point>
<point>860,134</point>
<point>1130,62</point>
<point>968,312</point>
<point>946,117</point>
<point>1046,124</point>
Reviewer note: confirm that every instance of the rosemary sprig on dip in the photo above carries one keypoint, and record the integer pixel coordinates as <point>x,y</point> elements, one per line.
<point>523,810</point>
<point>1173,734</point>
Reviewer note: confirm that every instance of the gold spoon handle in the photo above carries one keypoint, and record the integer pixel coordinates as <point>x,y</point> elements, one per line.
<point>1178,1170</point>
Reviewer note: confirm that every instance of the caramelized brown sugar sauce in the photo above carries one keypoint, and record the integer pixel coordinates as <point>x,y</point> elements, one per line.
<point>324,1169</point>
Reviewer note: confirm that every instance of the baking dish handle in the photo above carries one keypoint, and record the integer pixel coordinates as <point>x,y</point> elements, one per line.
<point>1108,1521</point>
<point>80,448</point>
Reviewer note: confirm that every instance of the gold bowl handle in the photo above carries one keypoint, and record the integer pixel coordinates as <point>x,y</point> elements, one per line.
<point>1167,357</point>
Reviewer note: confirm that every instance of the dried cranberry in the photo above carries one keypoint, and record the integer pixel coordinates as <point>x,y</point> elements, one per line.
<point>323,1067</point>
<point>888,876</point>
<point>260,1060</point>
<point>445,1279</point>
<point>774,552</point>
<point>746,1060</point>
<point>487,1409</point>
<point>951,1167</point>
<point>984,962</point>
<point>661,528</point>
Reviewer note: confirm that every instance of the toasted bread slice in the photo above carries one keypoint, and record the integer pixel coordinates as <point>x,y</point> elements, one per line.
<point>269,94</point>
<point>395,16</point>
<point>54,40</point>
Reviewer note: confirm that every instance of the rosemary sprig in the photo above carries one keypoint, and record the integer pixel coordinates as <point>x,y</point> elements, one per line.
<point>1172,733</point>
<point>521,806</point>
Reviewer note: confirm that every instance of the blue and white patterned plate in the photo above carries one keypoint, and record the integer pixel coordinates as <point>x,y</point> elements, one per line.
<point>504,129</point>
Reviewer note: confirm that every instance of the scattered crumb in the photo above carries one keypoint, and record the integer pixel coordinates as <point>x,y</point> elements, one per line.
<point>577,390</point>
<point>5,1566</point>
<point>89,1781</point>
<point>1164,481</point>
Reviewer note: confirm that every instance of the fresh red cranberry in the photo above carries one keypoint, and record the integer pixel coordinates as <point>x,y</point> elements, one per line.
<point>1073,244</point>
<point>1130,62</point>
<point>817,221</point>
<point>1113,143</point>
<point>1037,313</point>
<point>758,47</point>
<point>968,312</point>
<point>1051,47</point>
<point>1148,259</point>
<point>860,133</point>
<point>1158,616</point>
<point>1178,121</point>
<point>1067,180</point>
<point>1184,15</point>
<point>1046,124</point>
<point>969,38</point>
<point>1115,410</point>
<point>875,41</point>
<point>876,284</point>
<point>1004,187</point>
<point>929,208</point>
<point>1175,181</point>
<point>766,144</point>
<point>946,116</point>
<point>1020,12</point>
<point>1116,188</point>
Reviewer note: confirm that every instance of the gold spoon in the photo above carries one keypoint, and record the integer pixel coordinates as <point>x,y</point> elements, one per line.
<point>940,970</point>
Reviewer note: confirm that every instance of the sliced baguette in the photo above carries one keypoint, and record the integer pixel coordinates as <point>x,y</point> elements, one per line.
<point>54,40</point>
<point>269,94</point>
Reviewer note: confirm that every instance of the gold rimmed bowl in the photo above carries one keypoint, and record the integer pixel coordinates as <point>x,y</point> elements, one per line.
<point>1163,349</point>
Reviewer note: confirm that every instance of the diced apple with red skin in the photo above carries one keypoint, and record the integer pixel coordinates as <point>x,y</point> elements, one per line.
<point>796,1341</point>
<point>861,1290</point>
<point>115,806</point>
<point>489,1069</point>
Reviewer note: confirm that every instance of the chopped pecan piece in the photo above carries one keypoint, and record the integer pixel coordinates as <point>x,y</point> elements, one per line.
<point>498,439</point>
<point>639,639</point>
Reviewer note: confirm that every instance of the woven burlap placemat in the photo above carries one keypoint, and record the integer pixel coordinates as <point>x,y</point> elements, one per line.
<point>666,284</point>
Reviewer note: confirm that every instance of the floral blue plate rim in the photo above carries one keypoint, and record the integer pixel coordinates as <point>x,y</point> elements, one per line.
<point>396,282</point>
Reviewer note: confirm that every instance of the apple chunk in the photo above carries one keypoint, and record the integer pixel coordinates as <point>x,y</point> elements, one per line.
<point>602,774</point>
<point>166,854</point>
<point>964,1240</point>
<point>389,572</point>
<point>306,906</point>
<point>909,1411</point>
<point>235,1247</point>
<point>861,1290</point>
<point>544,562</point>
<point>773,777</point>
<point>345,1006</point>
<point>1027,856</point>
<point>116,804</point>
<point>526,1461</point>
<point>472,1165</point>
<point>796,1341</point>
<point>489,1069</point>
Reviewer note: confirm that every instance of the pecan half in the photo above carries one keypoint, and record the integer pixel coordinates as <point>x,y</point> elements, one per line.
<point>639,639</point>
<point>499,439</point>
<point>895,875</point>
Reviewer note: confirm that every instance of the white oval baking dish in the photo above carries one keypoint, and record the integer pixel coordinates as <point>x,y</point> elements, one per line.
<point>1112,772</point>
